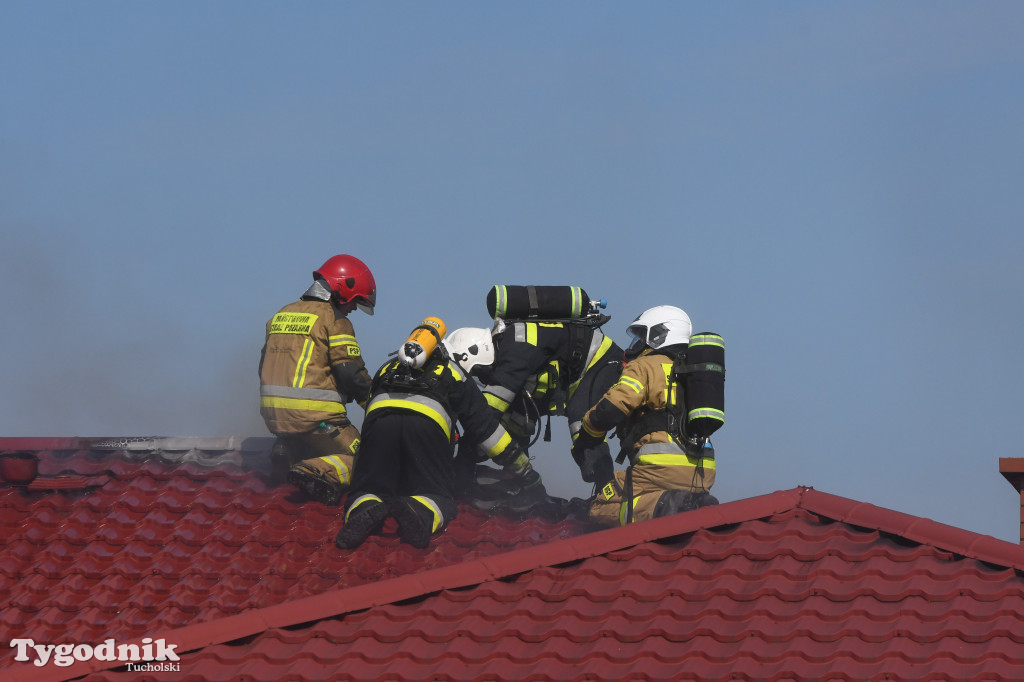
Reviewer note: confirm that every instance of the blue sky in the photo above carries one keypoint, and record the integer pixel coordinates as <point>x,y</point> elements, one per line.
<point>833,187</point>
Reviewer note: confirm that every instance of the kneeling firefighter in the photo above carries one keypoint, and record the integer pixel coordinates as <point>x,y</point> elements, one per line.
<point>667,402</point>
<point>551,359</point>
<point>404,469</point>
<point>310,367</point>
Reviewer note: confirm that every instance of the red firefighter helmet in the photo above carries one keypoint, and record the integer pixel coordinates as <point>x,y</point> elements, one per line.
<point>350,280</point>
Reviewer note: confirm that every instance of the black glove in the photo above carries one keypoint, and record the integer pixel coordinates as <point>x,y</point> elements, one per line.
<point>592,457</point>
<point>598,470</point>
<point>583,442</point>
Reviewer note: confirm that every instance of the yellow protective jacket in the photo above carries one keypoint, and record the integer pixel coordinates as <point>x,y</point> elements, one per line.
<point>645,385</point>
<point>310,367</point>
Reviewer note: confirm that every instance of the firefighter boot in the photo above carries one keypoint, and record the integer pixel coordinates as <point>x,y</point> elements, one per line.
<point>315,484</point>
<point>674,502</point>
<point>280,461</point>
<point>705,499</point>
<point>415,521</point>
<point>362,520</point>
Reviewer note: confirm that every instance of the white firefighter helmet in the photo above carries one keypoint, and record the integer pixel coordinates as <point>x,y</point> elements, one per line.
<point>471,347</point>
<point>658,327</point>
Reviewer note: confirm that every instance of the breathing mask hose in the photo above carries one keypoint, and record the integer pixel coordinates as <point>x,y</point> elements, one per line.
<point>529,402</point>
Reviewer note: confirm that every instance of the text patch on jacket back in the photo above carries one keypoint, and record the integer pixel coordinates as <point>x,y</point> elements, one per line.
<point>292,323</point>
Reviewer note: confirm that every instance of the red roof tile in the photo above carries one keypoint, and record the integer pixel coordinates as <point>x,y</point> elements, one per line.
<point>246,582</point>
<point>150,544</point>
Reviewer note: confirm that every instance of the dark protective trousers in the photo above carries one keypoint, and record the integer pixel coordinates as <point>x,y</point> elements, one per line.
<point>405,454</point>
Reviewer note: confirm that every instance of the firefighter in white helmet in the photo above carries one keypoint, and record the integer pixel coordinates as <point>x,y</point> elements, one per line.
<point>664,475</point>
<point>483,487</point>
<point>544,367</point>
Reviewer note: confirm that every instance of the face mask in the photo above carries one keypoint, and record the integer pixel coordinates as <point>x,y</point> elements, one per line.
<point>483,373</point>
<point>639,342</point>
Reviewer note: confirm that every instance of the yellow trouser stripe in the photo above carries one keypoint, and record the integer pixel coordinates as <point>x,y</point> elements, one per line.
<point>340,467</point>
<point>623,509</point>
<point>432,506</point>
<point>359,501</point>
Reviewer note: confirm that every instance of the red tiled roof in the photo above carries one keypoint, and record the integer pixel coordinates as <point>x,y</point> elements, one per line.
<point>797,584</point>
<point>143,543</point>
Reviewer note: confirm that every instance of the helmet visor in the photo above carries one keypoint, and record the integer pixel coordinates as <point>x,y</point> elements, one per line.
<point>367,303</point>
<point>638,333</point>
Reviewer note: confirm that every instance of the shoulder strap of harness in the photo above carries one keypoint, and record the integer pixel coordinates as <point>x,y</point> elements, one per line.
<point>671,419</point>
<point>399,376</point>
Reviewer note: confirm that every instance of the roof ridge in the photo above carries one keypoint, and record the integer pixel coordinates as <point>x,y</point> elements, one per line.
<point>915,528</point>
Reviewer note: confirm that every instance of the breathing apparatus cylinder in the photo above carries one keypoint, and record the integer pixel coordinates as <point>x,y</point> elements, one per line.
<point>704,384</point>
<point>421,343</point>
<point>511,302</point>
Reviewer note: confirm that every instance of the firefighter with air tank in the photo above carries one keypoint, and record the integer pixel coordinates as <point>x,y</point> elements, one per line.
<point>404,469</point>
<point>545,355</point>
<point>665,405</point>
<point>551,359</point>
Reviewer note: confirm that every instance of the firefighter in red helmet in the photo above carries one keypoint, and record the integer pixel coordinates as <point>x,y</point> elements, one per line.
<point>310,367</point>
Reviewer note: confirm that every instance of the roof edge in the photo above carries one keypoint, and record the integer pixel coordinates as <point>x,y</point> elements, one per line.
<point>260,444</point>
<point>915,528</point>
<point>347,600</point>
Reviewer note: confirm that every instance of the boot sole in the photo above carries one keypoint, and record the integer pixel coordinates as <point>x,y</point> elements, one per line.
<point>315,487</point>
<point>411,528</point>
<point>360,526</point>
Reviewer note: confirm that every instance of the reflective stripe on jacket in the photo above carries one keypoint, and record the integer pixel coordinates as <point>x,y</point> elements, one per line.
<point>532,356</point>
<point>441,392</point>
<point>644,385</point>
<point>298,388</point>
